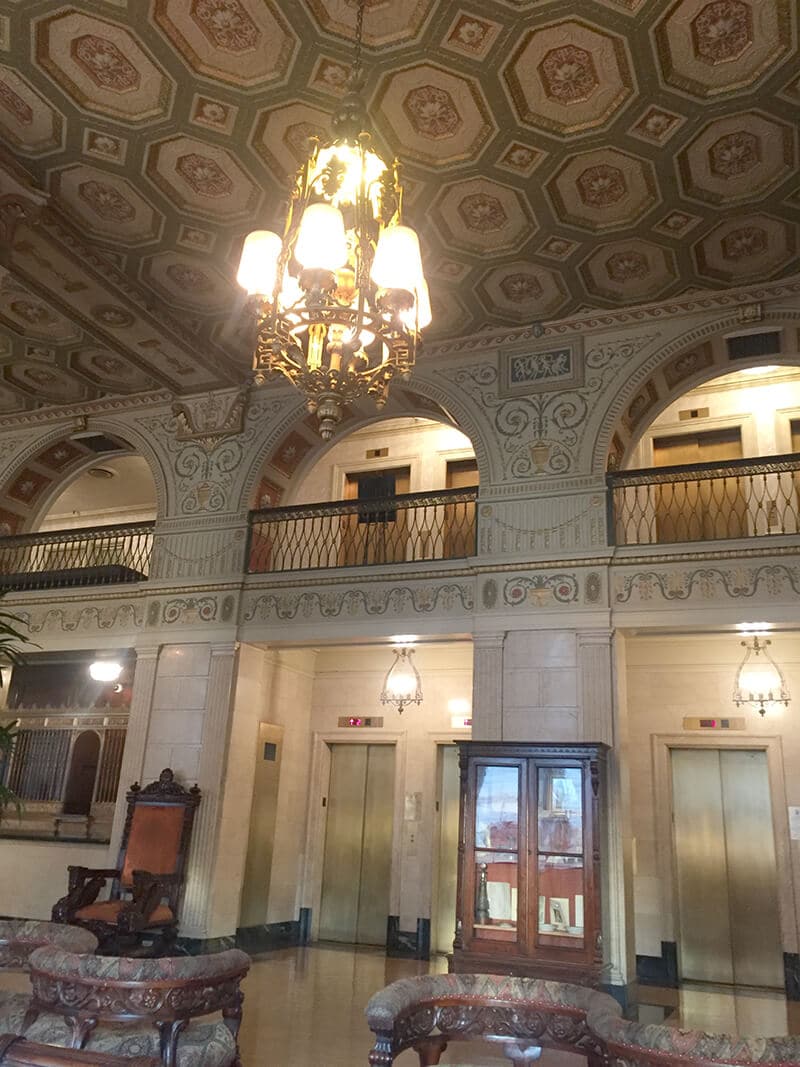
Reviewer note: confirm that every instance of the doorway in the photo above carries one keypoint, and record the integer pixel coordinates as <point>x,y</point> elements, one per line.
<point>79,788</point>
<point>727,880</point>
<point>263,818</point>
<point>447,800</point>
<point>357,863</point>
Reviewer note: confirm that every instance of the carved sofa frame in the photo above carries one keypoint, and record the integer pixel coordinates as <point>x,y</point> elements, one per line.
<point>19,1052</point>
<point>522,1015</point>
<point>141,901</point>
<point>526,1015</point>
<point>88,991</point>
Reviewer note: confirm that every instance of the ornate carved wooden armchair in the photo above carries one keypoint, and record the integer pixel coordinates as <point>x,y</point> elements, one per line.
<point>146,883</point>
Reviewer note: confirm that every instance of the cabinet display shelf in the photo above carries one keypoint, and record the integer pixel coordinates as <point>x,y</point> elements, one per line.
<point>529,860</point>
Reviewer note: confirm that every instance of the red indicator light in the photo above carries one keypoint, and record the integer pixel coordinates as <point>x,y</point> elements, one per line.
<point>708,722</point>
<point>353,721</point>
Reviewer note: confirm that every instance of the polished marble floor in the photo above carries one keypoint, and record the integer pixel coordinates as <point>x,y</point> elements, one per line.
<point>307,1007</point>
<point>304,1007</point>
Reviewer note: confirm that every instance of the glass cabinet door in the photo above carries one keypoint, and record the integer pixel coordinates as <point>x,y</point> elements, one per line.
<point>497,843</point>
<point>560,856</point>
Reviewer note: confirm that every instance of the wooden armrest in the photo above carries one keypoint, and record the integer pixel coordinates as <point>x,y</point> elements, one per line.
<point>80,875</point>
<point>83,889</point>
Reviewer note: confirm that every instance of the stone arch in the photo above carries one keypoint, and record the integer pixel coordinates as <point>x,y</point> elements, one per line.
<point>44,467</point>
<point>273,472</point>
<point>696,356</point>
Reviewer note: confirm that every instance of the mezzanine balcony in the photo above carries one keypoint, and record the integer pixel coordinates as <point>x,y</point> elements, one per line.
<point>59,559</point>
<point>720,501</point>
<point>408,528</point>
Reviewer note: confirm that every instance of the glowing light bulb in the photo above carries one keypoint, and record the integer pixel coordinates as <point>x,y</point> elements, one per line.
<point>258,263</point>
<point>398,262</point>
<point>321,240</point>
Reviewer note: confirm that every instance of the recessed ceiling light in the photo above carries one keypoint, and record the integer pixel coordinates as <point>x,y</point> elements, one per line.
<point>101,472</point>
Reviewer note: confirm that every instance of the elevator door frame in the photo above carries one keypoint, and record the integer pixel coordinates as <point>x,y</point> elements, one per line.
<point>310,895</point>
<point>667,867</point>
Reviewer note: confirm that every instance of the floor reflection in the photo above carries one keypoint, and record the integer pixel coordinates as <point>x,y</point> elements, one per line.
<point>721,1009</point>
<point>304,1007</point>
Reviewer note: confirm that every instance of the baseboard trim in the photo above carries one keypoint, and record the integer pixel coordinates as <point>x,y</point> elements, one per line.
<point>659,970</point>
<point>408,944</point>
<point>270,936</point>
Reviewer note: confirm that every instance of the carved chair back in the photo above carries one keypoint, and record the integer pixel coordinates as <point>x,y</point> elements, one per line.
<point>88,991</point>
<point>158,829</point>
<point>20,937</point>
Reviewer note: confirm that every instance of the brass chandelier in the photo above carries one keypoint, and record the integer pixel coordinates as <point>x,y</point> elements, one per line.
<point>341,297</point>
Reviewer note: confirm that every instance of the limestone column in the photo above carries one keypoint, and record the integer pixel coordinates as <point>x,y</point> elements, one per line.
<point>144,680</point>
<point>604,718</point>
<point>596,692</point>
<point>487,687</point>
<point>197,918</point>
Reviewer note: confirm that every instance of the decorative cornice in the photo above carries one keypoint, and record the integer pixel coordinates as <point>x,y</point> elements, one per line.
<point>66,412</point>
<point>608,319</point>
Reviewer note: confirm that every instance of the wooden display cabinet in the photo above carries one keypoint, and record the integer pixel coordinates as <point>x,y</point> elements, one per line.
<point>529,860</point>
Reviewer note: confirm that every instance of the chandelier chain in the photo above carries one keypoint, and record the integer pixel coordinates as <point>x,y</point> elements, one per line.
<point>359,39</point>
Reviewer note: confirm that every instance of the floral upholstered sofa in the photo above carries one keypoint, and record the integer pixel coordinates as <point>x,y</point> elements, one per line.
<point>18,939</point>
<point>125,1007</point>
<point>522,1016</point>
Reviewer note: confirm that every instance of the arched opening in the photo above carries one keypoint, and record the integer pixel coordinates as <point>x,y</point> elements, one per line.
<point>78,511</point>
<point>79,788</point>
<point>393,490</point>
<point>719,461</point>
<point>119,489</point>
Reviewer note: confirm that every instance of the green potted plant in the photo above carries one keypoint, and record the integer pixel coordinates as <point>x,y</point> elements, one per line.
<point>11,636</point>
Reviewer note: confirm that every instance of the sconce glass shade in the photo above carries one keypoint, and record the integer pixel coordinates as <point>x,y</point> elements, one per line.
<point>105,670</point>
<point>321,240</point>
<point>259,263</point>
<point>402,684</point>
<point>759,680</point>
<point>398,263</point>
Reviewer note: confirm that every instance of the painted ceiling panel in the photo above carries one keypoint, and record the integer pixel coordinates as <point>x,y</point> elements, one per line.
<point>559,155</point>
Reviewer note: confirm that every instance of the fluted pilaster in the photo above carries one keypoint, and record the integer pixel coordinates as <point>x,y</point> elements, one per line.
<point>197,912</point>
<point>487,687</point>
<point>133,757</point>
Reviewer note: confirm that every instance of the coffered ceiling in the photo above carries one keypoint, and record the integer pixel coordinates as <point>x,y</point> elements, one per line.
<point>560,155</point>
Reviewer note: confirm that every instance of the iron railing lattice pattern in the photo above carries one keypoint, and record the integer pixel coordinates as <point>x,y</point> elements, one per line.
<point>57,559</point>
<point>705,501</point>
<point>412,527</point>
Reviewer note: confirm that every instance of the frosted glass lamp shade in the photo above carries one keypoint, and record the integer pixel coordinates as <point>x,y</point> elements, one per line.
<point>402,684</point>
<point>321,240</point>
<point>105,670</point>
<point>398,263</point>
<point>259,262</point>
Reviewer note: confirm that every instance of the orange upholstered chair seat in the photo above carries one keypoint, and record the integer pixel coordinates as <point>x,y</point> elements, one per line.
<point>107,911</point>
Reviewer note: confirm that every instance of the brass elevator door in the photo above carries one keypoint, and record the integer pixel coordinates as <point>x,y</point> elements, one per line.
<point>357,864</point>
<point>727,880</point>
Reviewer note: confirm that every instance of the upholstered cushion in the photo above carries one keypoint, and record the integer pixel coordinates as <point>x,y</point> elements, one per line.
<point>154,841</point>
<point>12,1012</point>
<point>202,1044</point>
<point>529,993</point>
<point>107,911</point>
<point>20,937</point>
<point>123,969</point>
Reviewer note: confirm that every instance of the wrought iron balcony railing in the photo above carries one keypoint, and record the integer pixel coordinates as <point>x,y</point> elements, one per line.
<point>351,533</point>
<point>100,555</point>
<point>705,502</point>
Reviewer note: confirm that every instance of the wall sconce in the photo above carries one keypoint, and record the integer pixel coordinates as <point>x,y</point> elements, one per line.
<point>402,684</point>
<point>759,679</point>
